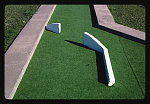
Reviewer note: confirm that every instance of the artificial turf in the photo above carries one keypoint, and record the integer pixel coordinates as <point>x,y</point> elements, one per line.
<point>62,70</point>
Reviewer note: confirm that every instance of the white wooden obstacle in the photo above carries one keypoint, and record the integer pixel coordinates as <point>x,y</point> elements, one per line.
<point>91,42</point>
<point>54,27</point>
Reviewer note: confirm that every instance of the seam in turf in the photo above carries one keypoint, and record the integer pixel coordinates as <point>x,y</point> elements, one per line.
<point>132,70</point>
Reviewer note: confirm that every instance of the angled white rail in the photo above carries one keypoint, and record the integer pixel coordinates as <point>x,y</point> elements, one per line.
<point>91,42</point>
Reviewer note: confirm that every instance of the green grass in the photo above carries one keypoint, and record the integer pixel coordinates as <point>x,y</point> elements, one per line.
<point>61,70</point>
<point>129,15</point>
<point>16,16</point>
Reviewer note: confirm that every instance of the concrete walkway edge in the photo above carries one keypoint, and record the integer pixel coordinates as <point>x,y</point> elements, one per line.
<point>24,46</point>
<point>105,19</point>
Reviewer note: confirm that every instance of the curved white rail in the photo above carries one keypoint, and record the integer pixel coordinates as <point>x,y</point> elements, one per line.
<point>91,42</point>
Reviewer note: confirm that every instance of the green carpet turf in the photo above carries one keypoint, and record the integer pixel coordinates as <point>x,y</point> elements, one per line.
<point>62,70</point>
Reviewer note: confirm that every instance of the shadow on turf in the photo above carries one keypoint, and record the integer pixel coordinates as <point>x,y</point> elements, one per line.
<point>96,25</point>
<point>102,78</point>
<point>50,30</point>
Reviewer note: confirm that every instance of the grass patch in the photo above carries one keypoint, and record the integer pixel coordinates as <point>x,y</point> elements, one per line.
<point>61,70</point>
<point>16,16</point>
<point>129,15</point>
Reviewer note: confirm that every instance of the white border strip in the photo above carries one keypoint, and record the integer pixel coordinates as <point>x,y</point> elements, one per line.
<point>91,42</point>
<point>29,58</point>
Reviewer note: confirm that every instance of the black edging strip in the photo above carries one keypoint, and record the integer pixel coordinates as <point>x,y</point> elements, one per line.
<point>96,25</point>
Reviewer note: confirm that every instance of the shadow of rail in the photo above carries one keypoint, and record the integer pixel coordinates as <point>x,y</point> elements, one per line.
<point>101,73</point>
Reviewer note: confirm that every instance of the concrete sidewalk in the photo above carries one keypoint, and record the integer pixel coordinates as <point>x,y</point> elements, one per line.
<point>21,51</point>
<point>106,22</point>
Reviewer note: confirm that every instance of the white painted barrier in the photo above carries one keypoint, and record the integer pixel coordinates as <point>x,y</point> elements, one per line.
<point>54,27</point>
<point>91,42</point>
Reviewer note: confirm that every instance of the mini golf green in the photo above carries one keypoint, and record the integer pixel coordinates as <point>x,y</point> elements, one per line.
<point>60,69</point>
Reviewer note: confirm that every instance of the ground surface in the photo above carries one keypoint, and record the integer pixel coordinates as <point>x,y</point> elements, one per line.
<point>129,15</point>
<point>16,16</point>
<point>64,70</point>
